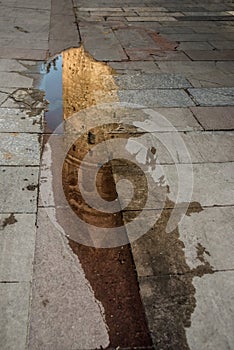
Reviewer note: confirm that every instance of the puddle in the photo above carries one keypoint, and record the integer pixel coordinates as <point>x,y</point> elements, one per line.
<point>73,81</point>
<point>52,85</point>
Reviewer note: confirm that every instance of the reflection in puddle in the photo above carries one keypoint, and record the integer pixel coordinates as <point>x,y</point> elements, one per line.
<point>73,81</point>
<point>52,85</point>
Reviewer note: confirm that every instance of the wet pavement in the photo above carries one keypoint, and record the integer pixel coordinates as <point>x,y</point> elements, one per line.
<point>116,175</point>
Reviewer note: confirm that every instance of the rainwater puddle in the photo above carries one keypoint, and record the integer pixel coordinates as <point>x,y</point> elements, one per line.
<point>73,81</point>
<point>53,87</point>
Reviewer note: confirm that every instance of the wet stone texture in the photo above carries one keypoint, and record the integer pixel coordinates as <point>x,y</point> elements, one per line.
<point>164,290</point>
<point>21,125</point>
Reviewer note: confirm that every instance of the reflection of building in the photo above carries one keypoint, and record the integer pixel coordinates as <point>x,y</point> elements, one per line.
<point>86,82</point>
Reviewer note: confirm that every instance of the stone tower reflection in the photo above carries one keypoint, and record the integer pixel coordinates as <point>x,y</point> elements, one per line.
<point>86,82</point>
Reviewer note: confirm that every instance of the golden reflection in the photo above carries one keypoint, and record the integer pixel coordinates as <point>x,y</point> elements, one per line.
<point>86,82</point>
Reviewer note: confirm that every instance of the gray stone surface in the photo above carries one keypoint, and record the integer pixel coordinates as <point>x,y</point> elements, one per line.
<point>222,44</point>
<point>213,96</point>
<point>3,97</point>
<point>212,229</point>
<point>7,65</point>
<point>187,67</point>
<point>151,81</point>
<point>212,321</point>
<point>65,314</point>
<point>214,79</point>
<point>14,80</point>
<point>16,120</point>
<point>202,147</point>
<point>19,53</point>
<point>129,67</point>
<point>211,55</point>
<point>156,98</point>
<point>17,244</point>
<point>181,118</point>
<point>134,37</point>
<point>215,118</point>
<point>77,321</point>
<point>195,45</point>
<point>22,43</point>
<point>14,315</point>
<point>18,187</point>
<point>104,50</point>
<point>212,183</point>
<point>19,149</point>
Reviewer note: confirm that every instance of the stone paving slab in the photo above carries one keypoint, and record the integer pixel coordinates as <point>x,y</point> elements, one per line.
<point>3,97</point>
<point>14,315</point>
<point>170,56</point>
<point>227,67</point>
<point>210,228</point>
<point>201,147</point>
<point>196,37</point>
<point>44,4</point>
<point>7,65</point>
<point>156,97</point>
<point>180,118</point>
<point>14,80</point>
<point>211,55</point>
<point>217,192</point>
<point>215,118</point>
<point>19,149</point>
<point>78,320</point>
<point>129,67</point>
<point>166,119</point>
<point>213,96</point>
<point>19,53</point>
<point>40,25</point>
<point>216,79</point>
<point>213,292</point>
<point>15,11</point>
<point>104,50</point>
<point>18,187</point>
<point>21,121</point>
<point>135,37</point>
<point>17,244</point>
<point>223,45</point>
<point>58,22</point>
<point>206,192</point>
<point>187,67</point>
<point>205,329</point>
<point>195,45</point>
<point>151,81</point>
<point>22,43</point>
